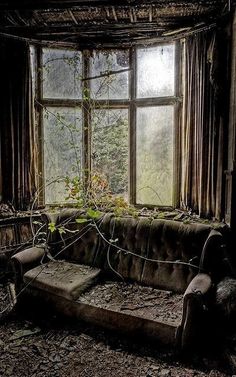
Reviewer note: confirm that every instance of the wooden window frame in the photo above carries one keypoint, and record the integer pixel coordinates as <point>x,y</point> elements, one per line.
<point>131,104</point>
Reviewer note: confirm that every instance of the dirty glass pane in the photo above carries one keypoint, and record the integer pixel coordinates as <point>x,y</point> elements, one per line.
<point>62,150</point>
<point>112,86</point>
<point>32,67</point>
<point>155,155</point>
<point>155,71</point>
<point>110,148</point>
<point>62,73</point>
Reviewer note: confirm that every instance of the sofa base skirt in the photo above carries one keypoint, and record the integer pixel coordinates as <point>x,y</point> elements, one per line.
<point>108,318</point>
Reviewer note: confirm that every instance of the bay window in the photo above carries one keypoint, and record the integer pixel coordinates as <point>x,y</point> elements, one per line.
<point>112,113</point>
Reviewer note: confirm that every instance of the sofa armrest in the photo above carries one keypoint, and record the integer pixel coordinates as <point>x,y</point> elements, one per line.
<point>212,254</point>
<point>200,284</point>
<point>25,260</point>
<point>193,311</point>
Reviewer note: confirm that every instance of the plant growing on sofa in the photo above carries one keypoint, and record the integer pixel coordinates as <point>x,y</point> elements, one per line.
<point>93,199</point>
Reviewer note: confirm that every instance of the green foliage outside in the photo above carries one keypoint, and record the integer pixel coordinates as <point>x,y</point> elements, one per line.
<point>110,148</point>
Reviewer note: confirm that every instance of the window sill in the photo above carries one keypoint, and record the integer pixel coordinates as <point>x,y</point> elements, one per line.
<point>162,213</point>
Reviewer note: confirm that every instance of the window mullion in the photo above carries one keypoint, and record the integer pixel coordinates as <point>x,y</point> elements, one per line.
<point>132,128</point>
<point>39,121</point>
<point>61,102</point>
<point>157,101</point>
<point>86,113</point>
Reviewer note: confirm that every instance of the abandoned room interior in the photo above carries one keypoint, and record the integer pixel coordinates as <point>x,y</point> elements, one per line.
<point>118,188</point>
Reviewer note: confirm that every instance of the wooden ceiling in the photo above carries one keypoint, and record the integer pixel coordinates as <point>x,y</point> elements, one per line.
<point>104,23</point>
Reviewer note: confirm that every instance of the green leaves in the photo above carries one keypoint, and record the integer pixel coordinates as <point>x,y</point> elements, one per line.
<point>52,227</point>
<point>92,214</point>
<point>75,190</point>
<point>86,94</point>
<point>81,221</point>
<point>61,230</point>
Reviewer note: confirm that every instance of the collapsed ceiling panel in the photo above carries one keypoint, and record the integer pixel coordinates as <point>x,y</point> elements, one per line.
<point>94,23</point>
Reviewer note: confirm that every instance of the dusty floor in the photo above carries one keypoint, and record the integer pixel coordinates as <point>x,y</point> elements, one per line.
<point>41,344</point>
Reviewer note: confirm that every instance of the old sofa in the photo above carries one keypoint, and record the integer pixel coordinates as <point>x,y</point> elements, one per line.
<point>146,277</point>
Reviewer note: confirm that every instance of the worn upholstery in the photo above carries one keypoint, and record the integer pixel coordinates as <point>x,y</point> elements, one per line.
<point>163,240</point>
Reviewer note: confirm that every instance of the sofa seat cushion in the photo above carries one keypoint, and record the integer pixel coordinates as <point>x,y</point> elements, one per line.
<point>136,300</point>
<point>62,278</point>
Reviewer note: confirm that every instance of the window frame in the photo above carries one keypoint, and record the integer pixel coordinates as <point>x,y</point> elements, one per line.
<point>132,103</point>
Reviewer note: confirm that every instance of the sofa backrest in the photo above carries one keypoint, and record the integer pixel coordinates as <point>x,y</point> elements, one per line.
<point>144,250</point>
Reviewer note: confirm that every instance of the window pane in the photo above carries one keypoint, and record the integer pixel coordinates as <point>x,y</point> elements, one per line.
<point>155,155</point>
<point>32,67</point>
<point>110,148</point>
<point>62,149</point>
<point>62,73</point>
<point>114,86</point>
<point>155,71</point>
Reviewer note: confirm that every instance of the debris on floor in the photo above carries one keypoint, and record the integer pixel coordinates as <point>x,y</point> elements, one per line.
<point>37,343</point>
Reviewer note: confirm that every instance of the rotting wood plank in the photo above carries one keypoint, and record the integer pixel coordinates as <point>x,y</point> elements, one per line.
<point>73,16</point>
<point>114,14</point>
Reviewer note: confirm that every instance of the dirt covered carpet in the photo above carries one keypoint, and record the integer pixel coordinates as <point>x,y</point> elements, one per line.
<point>35,342</point>
<point>55,347</point>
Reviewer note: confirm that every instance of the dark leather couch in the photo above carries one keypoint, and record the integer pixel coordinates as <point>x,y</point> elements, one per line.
<point>168,256</point>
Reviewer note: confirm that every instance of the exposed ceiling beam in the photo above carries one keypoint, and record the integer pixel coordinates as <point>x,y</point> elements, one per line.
<point>103,27</point>
<point>57,4</point>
